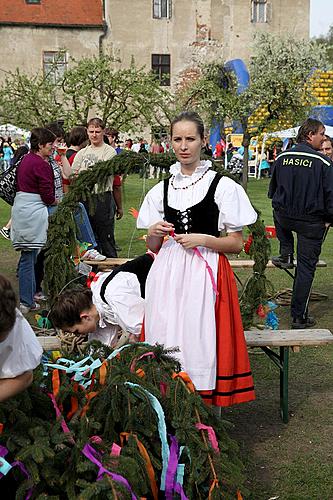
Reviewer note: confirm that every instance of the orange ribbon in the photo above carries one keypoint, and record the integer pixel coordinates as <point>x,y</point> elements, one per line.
<point>186,379</point>
<point>55,382</point>
<point>74,402</point>
<point>140,372</point>
<point>215,484</point>
<point>89,397</point>
<point>145,456</point>
<point>102,373</point>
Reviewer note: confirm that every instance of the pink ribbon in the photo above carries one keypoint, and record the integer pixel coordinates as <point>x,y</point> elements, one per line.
<point>209,269</point>
<point>115,450</point>
<point>59,415</point>
<point>92,455</point>
<point>211,435</point>
<point>132,368</point>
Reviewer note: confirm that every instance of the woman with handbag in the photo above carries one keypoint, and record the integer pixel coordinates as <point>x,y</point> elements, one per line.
<point>35,192</point>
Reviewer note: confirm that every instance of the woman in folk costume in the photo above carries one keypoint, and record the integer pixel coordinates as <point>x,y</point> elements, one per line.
<point>191,295</point>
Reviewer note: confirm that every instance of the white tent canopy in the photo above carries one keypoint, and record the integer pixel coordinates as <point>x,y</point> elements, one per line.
<point>9,129</point>
<point>292,132</point>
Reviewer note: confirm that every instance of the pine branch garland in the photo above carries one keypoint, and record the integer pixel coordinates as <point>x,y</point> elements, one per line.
<point>61,243</point>
<point>54,458</point>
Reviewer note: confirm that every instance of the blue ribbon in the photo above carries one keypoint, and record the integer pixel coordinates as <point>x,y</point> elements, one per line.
<point>161,428</point>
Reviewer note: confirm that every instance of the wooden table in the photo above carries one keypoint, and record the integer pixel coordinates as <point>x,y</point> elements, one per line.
<point>235,263</point>
<point>285,339</point>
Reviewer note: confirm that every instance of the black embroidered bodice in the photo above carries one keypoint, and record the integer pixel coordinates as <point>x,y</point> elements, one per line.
<point>200,218</point>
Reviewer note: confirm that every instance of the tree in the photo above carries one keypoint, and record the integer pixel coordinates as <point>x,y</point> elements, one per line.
<point>28,101</point>
<point>128,98</point>
<point>279,74</point>
<point>327,42</point>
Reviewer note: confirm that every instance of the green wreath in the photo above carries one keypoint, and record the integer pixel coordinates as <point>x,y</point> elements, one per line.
<point>61,241</point>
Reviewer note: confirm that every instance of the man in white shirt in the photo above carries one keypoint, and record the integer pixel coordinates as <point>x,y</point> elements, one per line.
<point>102,221</point>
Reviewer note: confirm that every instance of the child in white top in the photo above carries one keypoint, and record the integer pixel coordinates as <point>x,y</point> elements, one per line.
<point>20,351</point>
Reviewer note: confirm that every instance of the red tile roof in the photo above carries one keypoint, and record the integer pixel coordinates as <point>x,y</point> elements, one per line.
<point>87,13</point>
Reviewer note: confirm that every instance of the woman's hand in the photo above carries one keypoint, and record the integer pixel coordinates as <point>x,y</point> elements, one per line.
<point>160,229</point>
<point>191,240</point>
<point>232,243</point>
<point>156,234</point>
<point>133,338</point>
<point>119,213</point>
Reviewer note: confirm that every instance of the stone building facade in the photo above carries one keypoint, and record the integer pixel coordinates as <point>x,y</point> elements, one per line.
<point>44,35</point>
<point>188,32</point>
<point>170,36</point>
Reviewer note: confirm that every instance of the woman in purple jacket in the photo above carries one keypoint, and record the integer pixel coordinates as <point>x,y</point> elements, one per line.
<point>35,192</point>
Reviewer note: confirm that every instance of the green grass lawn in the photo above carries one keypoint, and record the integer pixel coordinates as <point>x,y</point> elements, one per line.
<point>289,462</point>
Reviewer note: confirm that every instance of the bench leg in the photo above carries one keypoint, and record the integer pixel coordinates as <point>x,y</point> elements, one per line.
<point>284,369</point>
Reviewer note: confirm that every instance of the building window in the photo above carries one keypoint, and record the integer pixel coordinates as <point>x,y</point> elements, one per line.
<point>161,9</point>
<point>54,65</point>
<point>160,64</point>
<point>32,1</point>
<point>259,11</point>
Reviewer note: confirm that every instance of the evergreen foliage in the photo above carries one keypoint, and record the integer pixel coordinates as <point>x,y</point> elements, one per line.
<point>61,243</point>
<point>119,413</point>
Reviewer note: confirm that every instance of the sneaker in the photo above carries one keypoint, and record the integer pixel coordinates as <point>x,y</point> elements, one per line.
<point>300,323</point>
<point>93,255</point>
<point>39,296</point>
<point>26,309</point>
<point>284,261</point>
<point>5,232</point>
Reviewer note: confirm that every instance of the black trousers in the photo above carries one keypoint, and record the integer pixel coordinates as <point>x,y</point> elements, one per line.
<point>309,241</point>
<point>102,223</point>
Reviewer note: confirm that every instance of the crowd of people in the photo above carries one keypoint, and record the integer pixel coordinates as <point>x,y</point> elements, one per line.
<point>182,292</point>
<point>183,288</point>
<point>8,149</point>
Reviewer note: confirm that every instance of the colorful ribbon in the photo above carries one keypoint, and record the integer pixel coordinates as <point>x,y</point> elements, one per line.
<point>5,467</point>
<point>115,450</point>
<point>94,457</point>
<point>209,269</point>
<point>172,468</point>
<point>211,435</point>
<point>135,360</point>
<point>146,457</point>
<point>64,426</point>
<point>161,428</point>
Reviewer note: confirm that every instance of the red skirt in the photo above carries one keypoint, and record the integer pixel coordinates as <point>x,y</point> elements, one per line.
<point>234,382</point>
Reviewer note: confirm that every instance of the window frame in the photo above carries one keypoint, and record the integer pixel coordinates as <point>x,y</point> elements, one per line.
<point>256,15</point>
<point>157,68</point>
<point>53,74</point>
<point>161,9</point>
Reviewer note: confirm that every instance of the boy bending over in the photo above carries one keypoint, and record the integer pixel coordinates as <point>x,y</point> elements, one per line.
<point>114,302</point>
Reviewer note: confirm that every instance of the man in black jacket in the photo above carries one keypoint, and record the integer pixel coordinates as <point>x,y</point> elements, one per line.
<point>301,190</point>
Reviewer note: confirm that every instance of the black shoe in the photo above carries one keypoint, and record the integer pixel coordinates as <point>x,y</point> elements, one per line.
<point>301,323</point>
<point>284,261</point>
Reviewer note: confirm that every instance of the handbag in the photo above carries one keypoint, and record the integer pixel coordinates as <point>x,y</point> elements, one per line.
<point>8,183</point>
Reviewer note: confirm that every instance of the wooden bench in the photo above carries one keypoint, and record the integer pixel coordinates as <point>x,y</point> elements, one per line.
<point>235,263</point>
<point>285,339</point>
<point>266,340</point>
